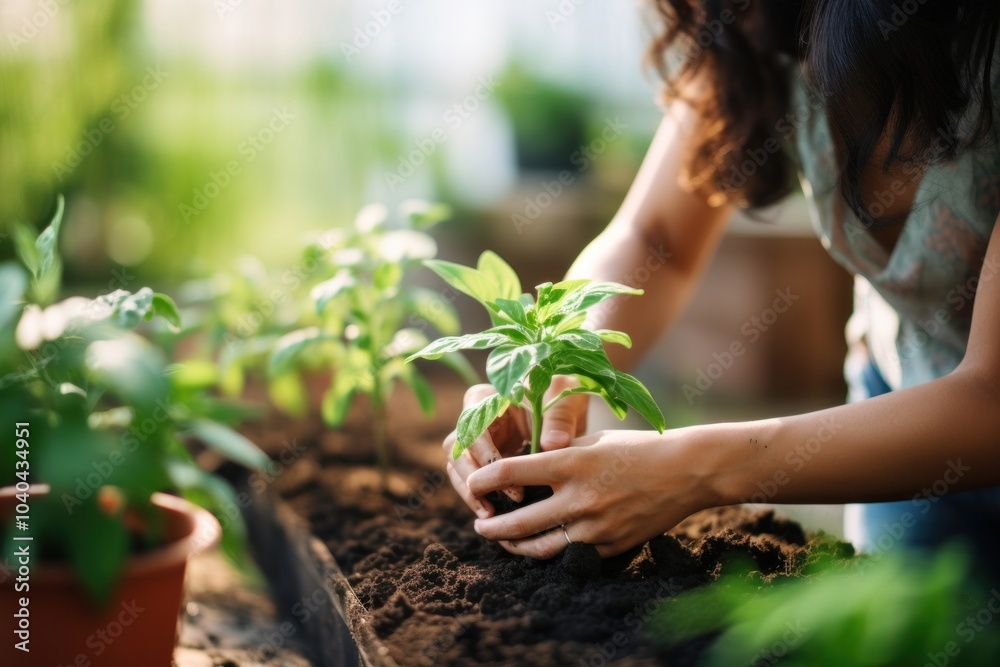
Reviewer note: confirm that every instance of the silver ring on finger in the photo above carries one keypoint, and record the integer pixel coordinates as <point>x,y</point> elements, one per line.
<point>566,535</point>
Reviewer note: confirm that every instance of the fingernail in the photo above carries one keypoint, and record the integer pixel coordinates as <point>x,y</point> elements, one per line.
<point>475,525</point>
<point>481,512</point>
<point>516,496</point>
<point>555,438</point>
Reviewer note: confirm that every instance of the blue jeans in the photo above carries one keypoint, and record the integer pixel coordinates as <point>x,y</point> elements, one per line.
<point>931,518</point>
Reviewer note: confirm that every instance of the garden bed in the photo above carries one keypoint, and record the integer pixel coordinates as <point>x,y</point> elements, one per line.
<point>410,583</point>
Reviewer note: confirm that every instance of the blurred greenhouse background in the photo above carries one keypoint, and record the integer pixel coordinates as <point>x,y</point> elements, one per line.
<point>136,110</point>
<point>188,135</point>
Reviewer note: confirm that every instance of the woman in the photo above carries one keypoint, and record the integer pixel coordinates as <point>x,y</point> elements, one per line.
<point>886,111</point>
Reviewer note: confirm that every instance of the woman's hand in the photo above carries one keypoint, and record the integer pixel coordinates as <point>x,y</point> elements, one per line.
<point>507,435</point>
<point>612,489</point>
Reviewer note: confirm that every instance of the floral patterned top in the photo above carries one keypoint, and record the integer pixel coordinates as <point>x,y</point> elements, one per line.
<point>913,305</point>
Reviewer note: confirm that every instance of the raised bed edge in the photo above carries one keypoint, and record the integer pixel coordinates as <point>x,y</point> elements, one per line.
<point>337,631</point>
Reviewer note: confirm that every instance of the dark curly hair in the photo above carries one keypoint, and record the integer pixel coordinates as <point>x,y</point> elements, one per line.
<point>906,71</point>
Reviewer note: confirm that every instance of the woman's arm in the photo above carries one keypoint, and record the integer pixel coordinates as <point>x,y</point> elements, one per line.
<point>616,489</point>
<point>660,240</point>
<point>895,446</point>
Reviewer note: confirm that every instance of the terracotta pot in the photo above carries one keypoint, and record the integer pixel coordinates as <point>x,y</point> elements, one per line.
<point>139,624</point>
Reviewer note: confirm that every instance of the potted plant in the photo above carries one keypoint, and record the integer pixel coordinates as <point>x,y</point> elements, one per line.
<point>532,341</point>
<point>96,419</point>
<point>368,318</point>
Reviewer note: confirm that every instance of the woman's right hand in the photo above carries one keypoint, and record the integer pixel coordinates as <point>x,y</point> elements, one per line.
<point>507,436</point>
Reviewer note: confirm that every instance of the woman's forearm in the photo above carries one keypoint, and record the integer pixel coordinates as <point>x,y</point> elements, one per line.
<point>619,255</point>
<point>660,240</point>
<point>943,436</point>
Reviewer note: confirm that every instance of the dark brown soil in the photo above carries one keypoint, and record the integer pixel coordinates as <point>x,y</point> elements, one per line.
<point>441,595</point>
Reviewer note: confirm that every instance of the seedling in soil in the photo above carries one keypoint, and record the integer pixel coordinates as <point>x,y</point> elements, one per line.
<point>371,318</point>
<point>533,340</point>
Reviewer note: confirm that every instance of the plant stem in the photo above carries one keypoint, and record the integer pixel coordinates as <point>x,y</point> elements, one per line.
<point>537,405</point>
<point>378,429</point>
<point>381,446</point>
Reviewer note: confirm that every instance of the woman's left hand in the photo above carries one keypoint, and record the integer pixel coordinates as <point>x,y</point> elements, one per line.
<point>612,489</point>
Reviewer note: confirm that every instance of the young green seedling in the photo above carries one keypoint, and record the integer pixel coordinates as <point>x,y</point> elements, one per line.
<point>535,340</point>
<point>370,318</point>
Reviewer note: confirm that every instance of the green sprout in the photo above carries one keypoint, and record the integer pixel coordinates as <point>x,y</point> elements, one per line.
<point>532,341</point>
<point>370,316</point>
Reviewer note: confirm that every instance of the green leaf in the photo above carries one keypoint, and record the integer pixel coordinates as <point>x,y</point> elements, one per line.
<point>539,379</point>
<point>327,290</point>
<point>616,337</point>
<point>233,379</point>
<point>337,399</point>
<point>370,218</point>
<point>405,342</point>
<point>499,272</point>
<point>514,310</point>
<point>421,388</point>
<point>474,421</point>
<point>632,392</point>
<point>550,296</point>
<point>422,214</point>
<point>24,243</point>
<point>229,443</point>
<point>288,394</point>
<point>165,307</point>
<point>571,392</point>
<point>480,341</point>
<point>458,363</point>
<point>466,280</point>
<point>508,364</point>
<point>130,367</point>
<point>434,309</point>
<point>517,333</point>
<point>387,275</point>
<point>193,375</point>
<point>618,407</point>
<point>582,338</point>
<point>13,283</point>
<point>288,347</point>
<point>48,241</point>
<point>593,294</point>
<point>125,309</point>
<point>588,363</point>
<point>562,323</point>
<point>98,549</point>
<point>217,496</point>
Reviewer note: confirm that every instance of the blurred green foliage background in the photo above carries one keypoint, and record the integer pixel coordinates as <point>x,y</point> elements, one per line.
<point>186,134</point>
